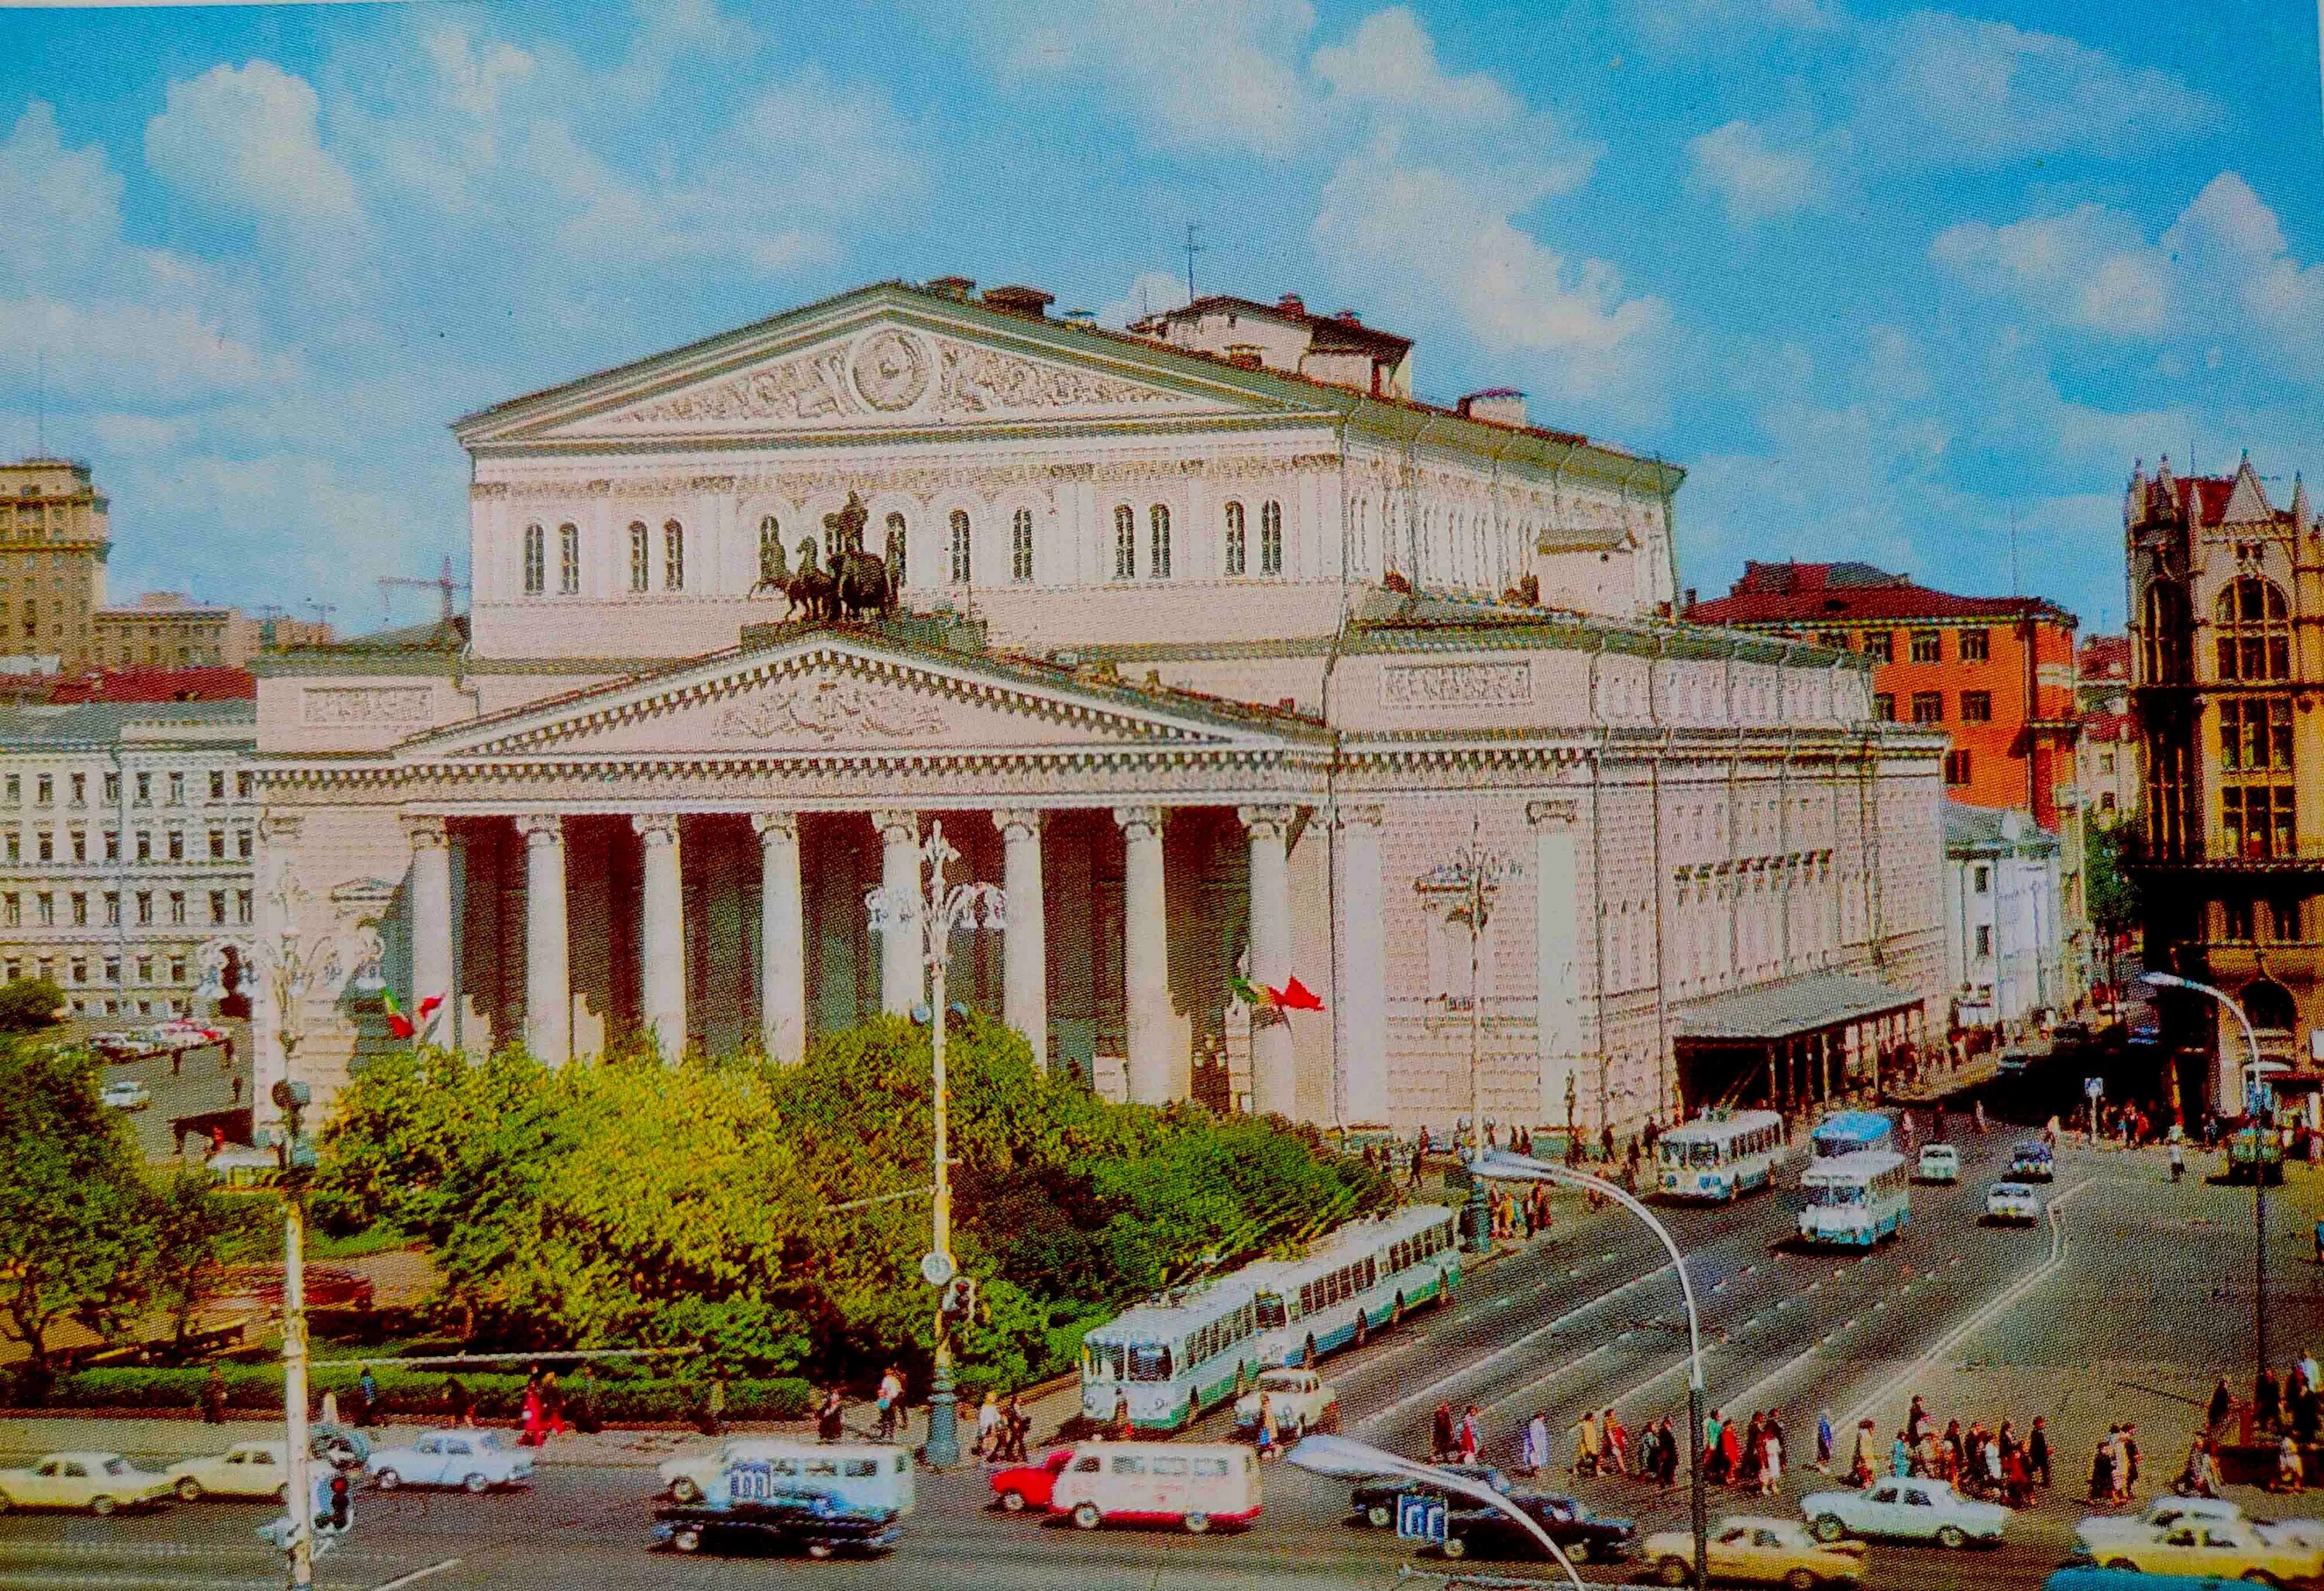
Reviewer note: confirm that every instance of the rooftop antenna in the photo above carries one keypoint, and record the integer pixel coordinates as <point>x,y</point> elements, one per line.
<point>2013,551</point>
<point>41,409</point>
<point>322,610</point>
<point>1193,248</point>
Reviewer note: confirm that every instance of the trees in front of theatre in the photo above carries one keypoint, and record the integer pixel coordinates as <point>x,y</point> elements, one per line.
<point>776,1216</point>
<point>27,1005</point>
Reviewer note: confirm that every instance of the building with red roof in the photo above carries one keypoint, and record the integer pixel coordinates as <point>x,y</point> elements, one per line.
<point>155,685</point>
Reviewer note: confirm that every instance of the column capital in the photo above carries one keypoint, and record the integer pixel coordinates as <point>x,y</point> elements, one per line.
<point>541,829</point>
<point>1012,821</point>
<point>425,830</point>
<point>776,826</point>
<point>1148,818</point>
<point>1359,815</point>
<point>1267,822</point>
<point>1558,813</point>
<point>888,821</point>
<point>655,827</point>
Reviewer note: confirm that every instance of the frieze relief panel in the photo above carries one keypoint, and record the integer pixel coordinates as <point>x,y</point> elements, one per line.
<point>365,706</point>
<point>924,482</point>
<point>1457,684</point>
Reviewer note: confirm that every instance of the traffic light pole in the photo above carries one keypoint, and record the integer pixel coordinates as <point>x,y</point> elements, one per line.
<point>294,1390</point>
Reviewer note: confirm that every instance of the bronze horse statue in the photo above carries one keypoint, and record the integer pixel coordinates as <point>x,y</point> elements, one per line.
<point>855,583</point>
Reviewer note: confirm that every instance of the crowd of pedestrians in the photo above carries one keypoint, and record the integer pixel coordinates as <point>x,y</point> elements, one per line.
<point>1993,1463</point>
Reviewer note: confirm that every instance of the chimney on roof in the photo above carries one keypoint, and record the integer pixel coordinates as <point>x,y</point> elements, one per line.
<point>1496,406</point>
<point>1292,304</point>
<point>1029,301</point>
<point>1689,598</point>
<point>956,288</point>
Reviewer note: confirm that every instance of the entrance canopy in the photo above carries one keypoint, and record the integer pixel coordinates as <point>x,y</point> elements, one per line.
<point>1804,1038</point>
<point>1796,1006</point>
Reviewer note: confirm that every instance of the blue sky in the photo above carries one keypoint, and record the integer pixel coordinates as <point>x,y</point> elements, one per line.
<point>1885,280</point>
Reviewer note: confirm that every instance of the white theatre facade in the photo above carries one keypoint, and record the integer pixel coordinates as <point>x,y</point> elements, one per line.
<point>1211,652</point>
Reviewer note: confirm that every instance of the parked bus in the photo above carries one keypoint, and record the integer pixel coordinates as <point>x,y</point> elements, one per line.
<point>1852,1132</point>
<point>1174,1358</point>
<point>1720,1157</point>
<point>1856,1200</point>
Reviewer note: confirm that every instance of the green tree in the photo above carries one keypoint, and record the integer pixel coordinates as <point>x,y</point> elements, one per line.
<point>27,1005</point>
<point>2109,894</point>
<point>196,1232</point>
<point>76,1214</point>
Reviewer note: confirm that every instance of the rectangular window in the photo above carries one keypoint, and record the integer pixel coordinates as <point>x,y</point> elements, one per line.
<point>1976,706</point>
<point>48,905</point>
<point>1928,646</point>
<point>1976,646</point>
<point>242,906</point>
<point>1984,878</point>
<point>1021,546</point>
<point>673,557</point>
<point>217,783</point>
<point>48,844</point>
<point>2235,919</point>
<point>568,559</point>
<point>145,790</point>
<point>1884,706</point>
<point>144,845</point>
<point>112,909</point>
<point>2283,920</point>
<point>112,788</point>
<point>1879,646</point>
<point>218,909</point>
<point>242,785</point>
<point>145,908</point>
<point>112,845</point>
<point>1956,768</point>
<point>641,558</point>
<point>1157,552</point>
<point>15,789</point>
<point>218,845</point>
<point>177,789</point>
<point>80,790</point>
<point>178,908</point>
<point>112,975</point>
<point>144,969</point>
<point>2255,821</point>
<point>80,845</point>
<point>177,845</point>
<point>1928,706</point>
<point>242,844</point>
<point>12,906</point>
<point>80,910</point>
<point>47,786</point>
<point>2256,733</point>
<point>1125,542</point>
<point>177,969</point>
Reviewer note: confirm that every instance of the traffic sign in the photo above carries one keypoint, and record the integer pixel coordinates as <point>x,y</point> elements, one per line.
<point>2094,1087</point>
<point>1420,1517</point>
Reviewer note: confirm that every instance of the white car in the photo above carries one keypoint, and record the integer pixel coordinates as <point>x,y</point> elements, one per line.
<point>473,1460</point>
<point>102,1483</point>
<point>126,1094</point>
<point>246,1470</point>
<point>2164,1512</point>
<point>1909,1510</point>
<point>1939,1162</point>
<point>2012,1202</point>
<point>1300,1400</point>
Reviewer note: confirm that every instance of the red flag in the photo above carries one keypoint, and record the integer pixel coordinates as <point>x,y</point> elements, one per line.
<point>1296,996</point>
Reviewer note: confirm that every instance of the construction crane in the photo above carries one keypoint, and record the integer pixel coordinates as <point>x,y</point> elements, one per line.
<point>443,583</point>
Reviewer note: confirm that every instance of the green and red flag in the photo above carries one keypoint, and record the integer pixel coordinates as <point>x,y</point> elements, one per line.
<point>402,1026</point>
<point>1294,996</point>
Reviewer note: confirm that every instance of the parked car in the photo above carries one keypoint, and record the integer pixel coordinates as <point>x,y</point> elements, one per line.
<point>1760,1552</point>
<point>102,1483</point>
<point>1373,1501</point>
<point>1939,1162</point>
<point>473,1460</point>
<point>2013,1203</point>
<point>1910,1510</point>
<point>814,1523</point>
<point>2166,1511</point>
<point>126,1093</point>
<point>2230,1549</point>
<point>246,1470</point>
<point>1474,1532</point>
<point>1302,1401</point>
<point>1027,1486</point>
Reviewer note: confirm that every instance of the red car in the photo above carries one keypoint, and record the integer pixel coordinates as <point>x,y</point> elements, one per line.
<point>1027,1486</point>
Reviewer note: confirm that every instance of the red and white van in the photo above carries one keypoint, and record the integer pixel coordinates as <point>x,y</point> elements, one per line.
<point>1197,1486</point>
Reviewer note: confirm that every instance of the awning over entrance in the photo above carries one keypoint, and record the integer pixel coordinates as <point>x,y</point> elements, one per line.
<point>1795,1006</point>
<point>1808,1039</point>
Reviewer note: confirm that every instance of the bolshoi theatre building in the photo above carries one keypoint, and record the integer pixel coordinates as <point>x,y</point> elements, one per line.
<point>1214,646</point>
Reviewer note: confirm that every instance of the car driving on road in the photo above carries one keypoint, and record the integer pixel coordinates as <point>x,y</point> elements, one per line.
<point>1027,1486</point>
<point>2011,1204</point>
<point>813,1522</point>
<point>126,1093</point>
<point>101,1483</point>
<point>1907,1510</point>
<point>1300,1400</point>
<point>246,1470</point>
<point>1474,1532</point>
<point>2094,1531</point>
<point>2230,1549</point>
<point>1373,1500</point>
<point>1939,1162</point>
<point>472,1460</point>
<point>1760,1552</point>
<point>2032,1162</point>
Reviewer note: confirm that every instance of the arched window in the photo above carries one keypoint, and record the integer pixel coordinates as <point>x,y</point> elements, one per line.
<point>568,560</point>
<point>1158,553</point>
<point>535,560</point>
<point>964,565</point>
<point>2254,630</point>
<point>773,567</point>
<point>1270,538</point>
<point>1125,542</point>
<point>2163,643</point>
<point>673,557</point>
<point>898,546</point>
<point>1234,540</point>
<point>2269,1004</point>
<point>640,556</point>
<point>1021,546</point>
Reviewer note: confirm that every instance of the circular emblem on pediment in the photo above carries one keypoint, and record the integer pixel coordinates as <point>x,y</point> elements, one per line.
<point>891,369</point>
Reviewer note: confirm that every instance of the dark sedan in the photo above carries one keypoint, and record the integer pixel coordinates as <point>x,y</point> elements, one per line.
<point>1487,1533</point>
<point>1374,1498</point>
<point>809,1523</point>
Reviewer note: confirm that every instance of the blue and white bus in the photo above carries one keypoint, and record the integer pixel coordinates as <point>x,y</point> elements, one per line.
<point>1720,1157</point>
<point>1855,1201</point>
<point>1174,1358</point>
<point>1852,1132</point>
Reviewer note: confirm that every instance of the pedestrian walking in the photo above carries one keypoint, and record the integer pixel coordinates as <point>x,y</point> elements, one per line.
<point>2222,1404</point>
<point>2037,1452</point>
<point>457,1409</point>
<point>889,1404</point>
<point>1916,1421</point>
<point>1019,1425</point>
<point>552,1406</point>
<point>1537,1439</point>
<point>529,1420</point>
<point>1617,1444</point>
<point>1471,1435</point>
<point>2267,1400</point>
<point>1771,1460</point>
<point>1439,1435</point>
<point>1861,1458</point>
<point>1265,1427</point>
<point>1752,1450</point>
<point>1585,1446</point>
<point>1900,1458</point>
<point>584,1403</point>
<point>831,1419</point>
<point>366,1398</point>
<point>2129,1461</point>
<point>329,1411</point>
<point>2291,1475</point>
<point>2179,1169</point>
<point>2102,1474</point>
<point>214,1397</point>
<point>1979,1111</point>
<point>1823,1442</point>
<point>988,1427</point>
<point>1666,1455</point>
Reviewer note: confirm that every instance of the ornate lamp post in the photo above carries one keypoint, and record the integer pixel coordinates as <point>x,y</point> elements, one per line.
<point>1473,877</point>
<point>938,909</point>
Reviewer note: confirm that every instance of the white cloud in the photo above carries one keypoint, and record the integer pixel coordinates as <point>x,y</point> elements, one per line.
<point>2087,268</point>
<point>140,354</point>
<point>248,139</point>
<point>1151,292</point>
<point>1751,176</point>
<point>1711,25</point>
<point>1391,61</point>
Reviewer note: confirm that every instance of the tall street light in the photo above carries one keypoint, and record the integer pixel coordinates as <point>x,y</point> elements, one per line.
<point>1526,1168</point>
<point>939,909</point>
<point>1474,877</point>
<point>2254,1106</point>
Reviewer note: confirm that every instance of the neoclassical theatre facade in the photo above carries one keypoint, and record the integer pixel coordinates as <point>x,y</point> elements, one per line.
<point>1215,648</point>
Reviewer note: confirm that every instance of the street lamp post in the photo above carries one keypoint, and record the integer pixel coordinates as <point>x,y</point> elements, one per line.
<point>938,909</point>
<point>1474,876</point>
<point>2254,1102</point>
<point>1526,1168</point>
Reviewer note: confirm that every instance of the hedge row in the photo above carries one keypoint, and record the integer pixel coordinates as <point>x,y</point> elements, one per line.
<point>420,1393</point>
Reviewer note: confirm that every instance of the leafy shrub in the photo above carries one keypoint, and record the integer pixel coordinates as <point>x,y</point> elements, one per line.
<point>419,1394</point>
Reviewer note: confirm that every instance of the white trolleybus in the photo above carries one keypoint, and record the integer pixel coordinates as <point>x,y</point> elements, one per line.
<point>1174,1358</point>
<point>1855,1201</point>
<point>1852,1132</point>
<point>1720,1157</point>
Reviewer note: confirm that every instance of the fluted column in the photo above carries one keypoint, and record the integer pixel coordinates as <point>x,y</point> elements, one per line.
<point>661,944</point>
<point>547,960</point>
<point>1273,1070</point>
<point>1156,1075</point>
<point>1025,954</point>
<point>782,938</point>
<point>900,973</point>
<point>431,917</point>
<point>1363,970</point>
<point>1557,970</point>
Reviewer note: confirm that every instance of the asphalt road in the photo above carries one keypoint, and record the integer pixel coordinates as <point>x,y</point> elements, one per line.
<point>2140,1281</point>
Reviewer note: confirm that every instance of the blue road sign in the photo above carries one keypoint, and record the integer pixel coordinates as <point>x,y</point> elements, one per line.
<point>1420,1518</point>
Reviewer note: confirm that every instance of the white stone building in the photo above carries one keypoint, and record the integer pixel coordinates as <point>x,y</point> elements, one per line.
<point>2002,951</point>
<point>127,841</point>
<point>1169,681</point>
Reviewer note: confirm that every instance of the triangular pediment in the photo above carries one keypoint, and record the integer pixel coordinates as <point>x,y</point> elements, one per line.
<point>886,359</point>
<point>2247,502</point>
<point>831,694</point>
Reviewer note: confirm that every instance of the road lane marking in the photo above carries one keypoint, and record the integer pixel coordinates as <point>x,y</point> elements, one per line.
<point>417,1575</point>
